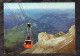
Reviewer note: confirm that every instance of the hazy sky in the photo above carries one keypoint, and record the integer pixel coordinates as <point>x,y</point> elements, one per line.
<point>56,5</point>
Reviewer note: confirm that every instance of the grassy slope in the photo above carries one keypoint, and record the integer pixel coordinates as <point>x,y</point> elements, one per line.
<point>12,37</point>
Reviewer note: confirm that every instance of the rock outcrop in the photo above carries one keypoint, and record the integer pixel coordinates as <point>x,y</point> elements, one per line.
<point>58,43</point>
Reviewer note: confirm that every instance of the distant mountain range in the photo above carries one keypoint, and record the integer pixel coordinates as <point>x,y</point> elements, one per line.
<point>59,20</point>
<point>37,13</point>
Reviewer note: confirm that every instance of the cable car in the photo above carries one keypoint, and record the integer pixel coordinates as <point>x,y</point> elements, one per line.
<point>28,41</point>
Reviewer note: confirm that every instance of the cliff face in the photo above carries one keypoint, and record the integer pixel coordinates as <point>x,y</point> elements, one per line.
<point>58,43</point>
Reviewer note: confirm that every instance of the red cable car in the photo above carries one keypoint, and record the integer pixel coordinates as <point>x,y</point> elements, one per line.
<point>28,41</point>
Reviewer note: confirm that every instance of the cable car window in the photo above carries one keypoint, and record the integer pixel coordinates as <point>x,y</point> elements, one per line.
<point>28,42</point>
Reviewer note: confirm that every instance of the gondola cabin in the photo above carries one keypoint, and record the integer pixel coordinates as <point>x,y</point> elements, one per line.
<point>28,44</point>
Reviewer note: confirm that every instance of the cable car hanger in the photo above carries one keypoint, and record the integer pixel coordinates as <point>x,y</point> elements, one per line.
<point>28,43</point>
